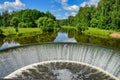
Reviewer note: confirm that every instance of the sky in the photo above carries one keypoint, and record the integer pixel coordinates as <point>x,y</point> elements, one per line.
<point>59,8</point>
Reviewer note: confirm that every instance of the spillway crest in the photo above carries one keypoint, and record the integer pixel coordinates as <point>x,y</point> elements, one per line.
<point>15,58</point>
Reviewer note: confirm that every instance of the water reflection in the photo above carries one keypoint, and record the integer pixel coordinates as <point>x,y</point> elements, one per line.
<point>102,41</point>
<point>45,37</point>
<point>7,44</point>
<point>63,37</point>
<point>36,38</point>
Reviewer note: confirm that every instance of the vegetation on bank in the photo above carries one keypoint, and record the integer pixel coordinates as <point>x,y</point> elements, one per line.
<point>99,32</point>
<point>90,31</point>
<point>105,16</point>
<point>93,31</point>
<point>10,31</point>
<point>28,18</point>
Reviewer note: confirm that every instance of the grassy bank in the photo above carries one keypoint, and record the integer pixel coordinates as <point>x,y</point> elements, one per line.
<point>68,27</point>
<point>10,31</point>
<point>22,31</point>
<point>93,31</point>
<point>98,32</point>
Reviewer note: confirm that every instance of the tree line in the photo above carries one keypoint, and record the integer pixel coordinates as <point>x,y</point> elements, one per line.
<point>27,18</point>
<point>105,16</point>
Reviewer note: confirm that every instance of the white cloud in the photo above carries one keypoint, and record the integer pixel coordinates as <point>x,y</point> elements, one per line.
<point>71,8</point>
<point>64,1</point>
<point>69,14</point>
<point>56,10</point>
<point>90,2</point>
<point>68,7</point>
<point>83,4</point>
<point>16,5</point>
<point>73,13</point>
<point>58,15</point>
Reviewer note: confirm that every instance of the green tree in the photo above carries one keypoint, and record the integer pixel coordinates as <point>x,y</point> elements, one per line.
<point>6,17</point>
<point>46,24</point>
<point>107,15</point>
<point>1,34</point>
<point>71,20</point>
<point>1,31</point>
<point>81,27</point>
<point>22,25</point>
<point>49,15</point>
<point>14,22</point>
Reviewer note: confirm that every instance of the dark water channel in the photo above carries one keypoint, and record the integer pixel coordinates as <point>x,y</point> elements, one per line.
<point>60,36</point>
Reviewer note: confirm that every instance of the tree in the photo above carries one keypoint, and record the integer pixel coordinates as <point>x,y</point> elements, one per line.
<point>1,22</point>
<point>1,34</point>
<point>107,15</point>
<point>46,24</point>
<point>6,17</point>
<point>81,27</point>
<point>71,20</point>
<point>14,22</point>
<point>1,31</point>
<point>49,15</point>
<point>22,24</point>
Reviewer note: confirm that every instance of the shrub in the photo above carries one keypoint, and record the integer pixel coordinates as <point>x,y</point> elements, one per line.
<point>81,27</point>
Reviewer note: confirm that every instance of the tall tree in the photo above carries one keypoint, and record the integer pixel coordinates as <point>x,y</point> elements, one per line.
<point>14,22</point>
<point>46,24</point>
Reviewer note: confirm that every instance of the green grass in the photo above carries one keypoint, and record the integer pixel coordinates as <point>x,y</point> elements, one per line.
<point>11,30</point>
<point>68,27</point>
<point>93,31</point>
<point>98,32</point>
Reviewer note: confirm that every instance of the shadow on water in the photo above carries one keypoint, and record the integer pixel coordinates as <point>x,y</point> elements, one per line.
<point>36,38</point>
<point>103,41</point>
<point>92,39</point>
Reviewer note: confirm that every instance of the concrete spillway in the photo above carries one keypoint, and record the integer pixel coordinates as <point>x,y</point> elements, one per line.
<point>15,58</point>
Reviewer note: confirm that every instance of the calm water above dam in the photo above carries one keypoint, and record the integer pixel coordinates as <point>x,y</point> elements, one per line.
<point>61,37</point>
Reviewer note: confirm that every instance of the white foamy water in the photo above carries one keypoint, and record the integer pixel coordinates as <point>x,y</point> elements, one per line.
<point>63,71</point>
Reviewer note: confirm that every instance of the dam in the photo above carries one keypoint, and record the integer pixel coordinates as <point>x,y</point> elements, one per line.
<point>14,58</point>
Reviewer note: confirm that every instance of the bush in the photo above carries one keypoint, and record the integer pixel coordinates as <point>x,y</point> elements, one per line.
<point>46,24</point>
<point>1,31</point>
<point>1,34</point>
<point>22,25</point>
<point>81,27</point>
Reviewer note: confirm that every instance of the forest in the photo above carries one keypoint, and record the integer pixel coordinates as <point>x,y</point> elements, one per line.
<point>27,18</point>
<point>105,16</point>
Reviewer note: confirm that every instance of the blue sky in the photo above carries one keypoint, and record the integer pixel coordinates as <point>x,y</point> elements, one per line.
<point>59,8</point>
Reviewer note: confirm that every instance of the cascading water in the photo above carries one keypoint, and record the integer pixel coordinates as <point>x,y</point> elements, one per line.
<point>18,57</point>
<point>61,70</point>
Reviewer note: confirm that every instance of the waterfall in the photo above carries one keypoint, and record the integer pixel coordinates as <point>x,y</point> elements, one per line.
<point>107,59</point>
<point>61,70</point>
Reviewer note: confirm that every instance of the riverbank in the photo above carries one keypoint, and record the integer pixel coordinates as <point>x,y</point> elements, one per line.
<point>115,35</point>
<point>91,36</point>
<point>97,32</point>
<point>10,31</point>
